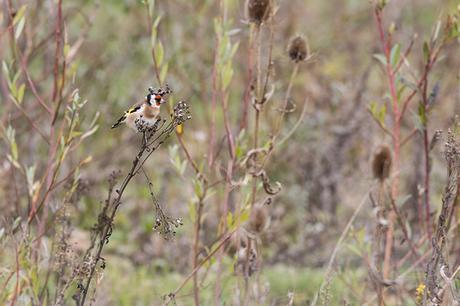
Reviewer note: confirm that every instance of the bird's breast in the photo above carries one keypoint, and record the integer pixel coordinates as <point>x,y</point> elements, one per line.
<point>150,112</point>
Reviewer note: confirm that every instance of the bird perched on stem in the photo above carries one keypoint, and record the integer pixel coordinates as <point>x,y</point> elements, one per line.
<point>145,114</point>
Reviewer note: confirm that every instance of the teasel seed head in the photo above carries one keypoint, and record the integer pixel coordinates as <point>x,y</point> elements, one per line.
<point>258,11</point>
<point>381,163</point>
<point>238,240</point>
<point>298,49</point>
<point>259,219</point>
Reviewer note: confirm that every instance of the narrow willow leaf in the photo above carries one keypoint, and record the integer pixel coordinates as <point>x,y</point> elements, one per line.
<point>395,54</point>
<point>153,37</point>
<point>20,94</point>
<point>436,31</point>
<point>14,150</point>
<point>160,53</point>
<point>163,72</point>
<point>151,4</point>
<point>381,58</point>
<point>19,28</point>
<point>422,114</point>
<point>426,52</point>
<point>19,14</point>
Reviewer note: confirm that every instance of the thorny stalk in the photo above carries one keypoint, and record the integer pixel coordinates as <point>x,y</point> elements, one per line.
<point>250,85</point>
<point>438,260</point>
<point>258,100</point>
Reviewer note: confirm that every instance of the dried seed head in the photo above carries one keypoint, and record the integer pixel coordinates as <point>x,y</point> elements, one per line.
<point>381,163</point>
<point>298,48</point>
<point>238,240</point>
<point>259,219</point>
<point>247,260</point>
<point>258,11</point>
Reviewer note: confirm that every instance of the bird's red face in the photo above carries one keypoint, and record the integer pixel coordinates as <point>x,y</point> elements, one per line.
<point>154,100</point>
<point>156,97</point>
<point>159,100</point>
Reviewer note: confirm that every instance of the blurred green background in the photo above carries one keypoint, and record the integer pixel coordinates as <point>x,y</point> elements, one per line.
<point>323,167</point>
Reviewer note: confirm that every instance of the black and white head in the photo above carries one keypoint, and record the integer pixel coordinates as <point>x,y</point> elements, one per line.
<point>156,97</point>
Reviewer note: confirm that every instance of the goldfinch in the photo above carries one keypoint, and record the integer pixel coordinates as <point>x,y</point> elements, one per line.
<point>146,113</point>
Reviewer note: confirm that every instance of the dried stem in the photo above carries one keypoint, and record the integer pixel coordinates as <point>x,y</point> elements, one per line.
<point>396,128</point>
<point>150,143</point>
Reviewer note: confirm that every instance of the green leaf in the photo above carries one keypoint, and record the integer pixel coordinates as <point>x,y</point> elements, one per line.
<point>19,14</point>
<point>244,216</point>
<point>238,152</point>
<point>198,188</point>
<point>19,28</point>
<point>151,5</point>
<point>354,249</point>
<point>408,83</point>
<point>378,112</point>
<point>13,162</point>
<point>422,114</point>
<point>157,21</point>
<point>30,175</point>
<point>160,53</point>
<point>381,58</point>
<point>163,72</point>
<point>183,166</point>
<point>16,223</point>
<point>436,30</point>
<point>14,150</point>
<point>381,114</point>
<point>417,122</point>
<point>153,37</point>
<point>75,134</point>
<point>426,52</point>
<point>66,49</point>
<point>20,94</point>
<point>395,54</point>
<point>6,71</point>
<point>227,75</point>
<point>90,132</point>
<point>229,219</point>
<point>192,211</point>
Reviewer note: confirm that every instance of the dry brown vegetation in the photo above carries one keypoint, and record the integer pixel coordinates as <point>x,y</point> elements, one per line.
<point>308,154</point>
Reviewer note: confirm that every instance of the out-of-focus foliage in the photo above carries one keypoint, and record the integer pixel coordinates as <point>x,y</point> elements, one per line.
<point>114,50</point>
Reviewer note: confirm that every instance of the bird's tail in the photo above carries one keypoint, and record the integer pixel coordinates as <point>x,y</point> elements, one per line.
<point>120,121</point>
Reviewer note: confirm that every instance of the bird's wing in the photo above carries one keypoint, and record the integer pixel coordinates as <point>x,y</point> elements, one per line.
<point>133,109</point>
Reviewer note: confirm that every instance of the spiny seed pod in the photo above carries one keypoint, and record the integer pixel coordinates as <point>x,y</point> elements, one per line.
<point>259,219</point>
<point>381,163</point>
<point>258,11</point>
<point>298,48</point>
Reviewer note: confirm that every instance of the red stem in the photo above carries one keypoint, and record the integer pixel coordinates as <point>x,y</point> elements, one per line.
<point>58,35</point>
<point>396,131</point>
<point>247,92</point>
